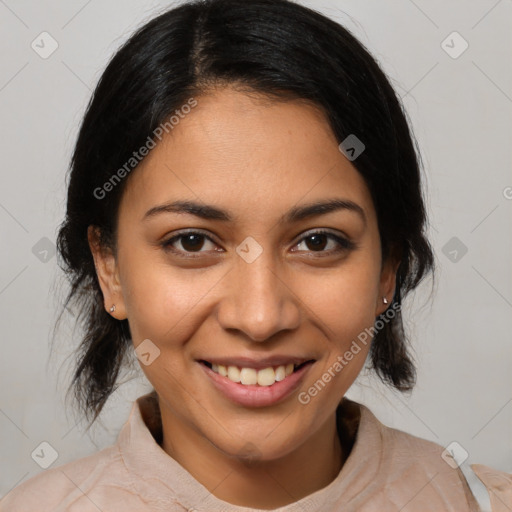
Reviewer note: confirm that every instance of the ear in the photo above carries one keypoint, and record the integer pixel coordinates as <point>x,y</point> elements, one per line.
<point>387,284</point>
<point>108,274</point>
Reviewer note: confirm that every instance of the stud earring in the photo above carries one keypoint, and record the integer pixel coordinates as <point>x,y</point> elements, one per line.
<point>113,308</point>
<point>384,300</point>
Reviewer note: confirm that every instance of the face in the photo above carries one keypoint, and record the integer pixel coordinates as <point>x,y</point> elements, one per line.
<point>256,279</point>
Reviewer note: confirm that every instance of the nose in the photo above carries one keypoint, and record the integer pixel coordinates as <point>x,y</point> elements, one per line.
<point>258,301</point>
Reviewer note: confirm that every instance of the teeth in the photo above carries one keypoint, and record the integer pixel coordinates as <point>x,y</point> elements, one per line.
<point>266,377</point>
<point>233,373</point>
<point>280,373</point>
<point>250,376</point>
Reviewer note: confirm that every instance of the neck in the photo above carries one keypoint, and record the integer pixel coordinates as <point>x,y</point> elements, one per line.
<point>309,468</point>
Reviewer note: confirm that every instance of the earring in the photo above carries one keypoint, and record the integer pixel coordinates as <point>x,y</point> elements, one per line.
<point>113,308</point>
<point>384,300</point>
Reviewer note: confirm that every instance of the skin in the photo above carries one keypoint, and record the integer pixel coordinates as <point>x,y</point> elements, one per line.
<point>256,159</point>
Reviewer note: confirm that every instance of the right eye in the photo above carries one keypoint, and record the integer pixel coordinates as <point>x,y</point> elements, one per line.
<point>190,241</point>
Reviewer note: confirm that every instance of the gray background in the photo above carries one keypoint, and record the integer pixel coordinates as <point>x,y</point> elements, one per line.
<point>460,111</point>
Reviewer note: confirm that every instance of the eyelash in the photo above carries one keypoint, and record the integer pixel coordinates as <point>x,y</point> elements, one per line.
<point>343,243</point>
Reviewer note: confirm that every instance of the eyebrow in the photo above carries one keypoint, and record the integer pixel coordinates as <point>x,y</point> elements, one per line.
<point>295,214</point>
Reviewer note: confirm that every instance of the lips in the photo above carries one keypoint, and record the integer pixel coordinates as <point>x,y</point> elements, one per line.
<point>256,385</point>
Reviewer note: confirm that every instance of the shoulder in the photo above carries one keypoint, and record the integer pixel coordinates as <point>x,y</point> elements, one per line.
<point>401,449</point>
<point>498,484</point>
<point>435,459</point>
<point>65,484</point>
<point>418,471</point>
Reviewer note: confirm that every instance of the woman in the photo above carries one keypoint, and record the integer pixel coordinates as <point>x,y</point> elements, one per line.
<point>245,211</point>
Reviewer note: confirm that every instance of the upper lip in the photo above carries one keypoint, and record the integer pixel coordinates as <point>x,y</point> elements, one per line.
<point>256,363</point>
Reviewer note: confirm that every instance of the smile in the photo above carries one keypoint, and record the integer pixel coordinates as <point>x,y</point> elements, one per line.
<point>256,387</point>
<point>248,376</point>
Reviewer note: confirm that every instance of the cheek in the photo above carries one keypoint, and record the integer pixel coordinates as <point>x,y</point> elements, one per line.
<point>342,300</point>
<point>162,303</point>
<point>343,306</point>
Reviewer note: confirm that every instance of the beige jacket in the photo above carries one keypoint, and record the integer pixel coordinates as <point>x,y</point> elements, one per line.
<point>387,471</point>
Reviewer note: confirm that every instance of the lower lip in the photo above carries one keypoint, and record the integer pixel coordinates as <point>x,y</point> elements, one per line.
<point>253,395</point>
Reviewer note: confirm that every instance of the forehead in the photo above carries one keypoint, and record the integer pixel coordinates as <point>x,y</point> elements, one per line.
<point>249,154</point>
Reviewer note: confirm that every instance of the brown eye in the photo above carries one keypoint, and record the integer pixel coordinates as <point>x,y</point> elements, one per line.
<point>190,242</point>
<point>321,242</point>
<point>318,241</point>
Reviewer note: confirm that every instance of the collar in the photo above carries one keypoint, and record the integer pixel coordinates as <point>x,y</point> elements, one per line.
<point>141,435</point>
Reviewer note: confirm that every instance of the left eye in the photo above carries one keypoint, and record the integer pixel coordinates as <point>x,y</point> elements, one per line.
<point>319,240</point>
<point>193,241</point>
